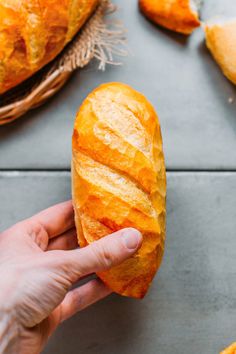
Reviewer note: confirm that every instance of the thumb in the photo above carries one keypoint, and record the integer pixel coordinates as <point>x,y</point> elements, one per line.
<point>98,256</point>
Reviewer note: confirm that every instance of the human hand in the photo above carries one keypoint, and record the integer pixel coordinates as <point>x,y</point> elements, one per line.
<point>38,266</point>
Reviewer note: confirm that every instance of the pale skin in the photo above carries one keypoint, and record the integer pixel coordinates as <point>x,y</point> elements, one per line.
<point>39,262</point>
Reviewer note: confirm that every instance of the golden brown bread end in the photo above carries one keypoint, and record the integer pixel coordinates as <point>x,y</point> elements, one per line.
<point>230,350</point>
<point>176,15</point>
<point>33,32</point>
<point>118,180</point>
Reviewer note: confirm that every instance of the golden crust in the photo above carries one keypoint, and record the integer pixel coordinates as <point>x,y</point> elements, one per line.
<point>176,15</point>
<point>220,40</point>
<point>118,180</point>
<point>33,32</point>
<point>230,350</point>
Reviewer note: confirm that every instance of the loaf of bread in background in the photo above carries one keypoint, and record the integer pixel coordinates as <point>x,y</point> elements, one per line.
<point>176,15</point>
<point>119,180</point>
<point>33,32</point>
<point>230,350</point>
<point>221,41</point>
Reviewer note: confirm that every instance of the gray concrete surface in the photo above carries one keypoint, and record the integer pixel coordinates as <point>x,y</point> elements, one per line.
<point>178,75</point>
<point>191,307</point>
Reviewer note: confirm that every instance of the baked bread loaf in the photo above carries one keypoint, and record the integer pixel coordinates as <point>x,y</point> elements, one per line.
<point>119,180</point>
<point>176,15</point>
<point>221,41</point>
<point>230,350</point>
<point>33,32</point>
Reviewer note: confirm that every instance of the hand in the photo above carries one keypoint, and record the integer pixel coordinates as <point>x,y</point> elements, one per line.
<point>38,266</point>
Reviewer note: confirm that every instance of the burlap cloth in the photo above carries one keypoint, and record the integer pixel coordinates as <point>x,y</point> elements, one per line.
<point>99,38</point>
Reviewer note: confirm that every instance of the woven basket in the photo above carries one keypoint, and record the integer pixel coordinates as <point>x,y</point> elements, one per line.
<point>98,39</point>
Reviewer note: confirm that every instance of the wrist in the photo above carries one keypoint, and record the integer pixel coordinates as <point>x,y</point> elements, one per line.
<point>8,332</point>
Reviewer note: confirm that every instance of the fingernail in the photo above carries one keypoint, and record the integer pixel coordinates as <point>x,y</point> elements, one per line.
<point>131,238</point>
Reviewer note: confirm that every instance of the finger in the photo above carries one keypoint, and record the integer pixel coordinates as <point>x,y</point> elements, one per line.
<point>82,297</point>
<point>54,220</point>
<point>98,256</point>
<point>66,241</point>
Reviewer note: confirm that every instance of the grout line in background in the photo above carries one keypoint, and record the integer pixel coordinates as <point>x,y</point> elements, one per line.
<point>51,171</point>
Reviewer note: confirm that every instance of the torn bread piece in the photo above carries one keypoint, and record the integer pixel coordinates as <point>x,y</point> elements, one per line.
<point>177,15</point>
<point>221,41</point>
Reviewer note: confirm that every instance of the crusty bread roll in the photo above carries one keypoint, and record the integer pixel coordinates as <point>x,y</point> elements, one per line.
<point>176,15</point>
<point>33,32</point>
<point>118,180</point>
<point>230,350</point>
<point>221,41</point>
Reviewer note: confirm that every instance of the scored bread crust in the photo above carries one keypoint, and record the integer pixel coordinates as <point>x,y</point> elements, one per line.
<point>119,180</point>
<point>220,40</point>
<point>33,32</point>
<point>176,15</point>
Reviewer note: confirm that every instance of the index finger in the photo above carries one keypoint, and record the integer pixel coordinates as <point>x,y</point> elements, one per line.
<point>56,219</point>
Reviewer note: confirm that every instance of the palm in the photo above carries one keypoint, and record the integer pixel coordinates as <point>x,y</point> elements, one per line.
<point>32,242</point>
